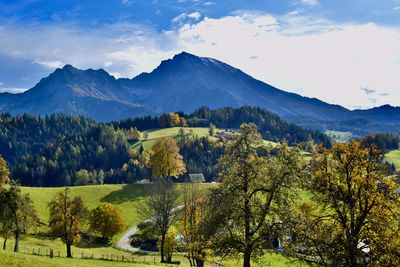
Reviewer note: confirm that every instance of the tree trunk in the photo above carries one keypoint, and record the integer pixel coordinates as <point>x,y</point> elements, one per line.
<point>353,253</point>
<point>162,247</point>
<point>16,246</point>
<point>69,254</point>
<point>247,235</point>
<point>5,244</point>
<point>246,258</point>
<point>199,263</point>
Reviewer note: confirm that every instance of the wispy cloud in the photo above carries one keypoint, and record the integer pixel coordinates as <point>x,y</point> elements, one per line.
<point>49,64</point>
<point>327,60</point>
<point>310,2</point>
<point>13,90</point>
<point>124,48</point>
<point>368,91</point>
<point>195,16</point>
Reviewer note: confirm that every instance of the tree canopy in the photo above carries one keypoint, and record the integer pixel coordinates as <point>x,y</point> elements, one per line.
<point>106,220</point>
<point>352,219</point>
<point>255,196</point>
<point>67,217</point>
<point>4,172</point>
<point>166,160</point>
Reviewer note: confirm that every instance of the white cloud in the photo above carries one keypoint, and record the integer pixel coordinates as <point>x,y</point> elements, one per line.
<point>195,16</point>
<point>326,60</point>
<point>120,48</point>
<point>397,8</point>
<point>311,56</point>
<point>12,90</point>
<point>310,2</point>
<point>49,64</point>
<point>107,63</point>
<point>117,75</point>
<point>127,2</point>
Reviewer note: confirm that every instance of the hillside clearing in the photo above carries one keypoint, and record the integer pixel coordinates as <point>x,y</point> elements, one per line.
<point>394,157</point>
<point>153,135</point>
<point>339,137</point>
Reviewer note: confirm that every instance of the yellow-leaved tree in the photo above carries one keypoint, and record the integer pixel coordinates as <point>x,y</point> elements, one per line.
<point>166,161</point>
<point>352,220</point>
<point>4,172</point>
<point>67,217</point>
<point>106,220</point>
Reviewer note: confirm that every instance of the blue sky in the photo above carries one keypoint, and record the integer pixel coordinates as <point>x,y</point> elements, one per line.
<point>342,51</point>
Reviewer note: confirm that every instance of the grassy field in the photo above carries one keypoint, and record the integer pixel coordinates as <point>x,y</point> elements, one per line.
<point>8,258</point>
<point>339,137</point>
<point>153,135</point>
<point>128,198</point>
<point>394,157</point>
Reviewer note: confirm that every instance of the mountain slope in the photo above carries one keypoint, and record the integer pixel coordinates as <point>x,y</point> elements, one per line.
<point>91,93</point>
<point>183,83</point>
<point>187,82</point>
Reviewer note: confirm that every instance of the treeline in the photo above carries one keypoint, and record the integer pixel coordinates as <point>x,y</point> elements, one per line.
<point>61,150</point>
<point>383,141</point>
<point>271,126</point>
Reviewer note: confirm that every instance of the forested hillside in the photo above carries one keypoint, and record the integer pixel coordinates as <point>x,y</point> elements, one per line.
<point>271,126</point>
<point>62,150</point>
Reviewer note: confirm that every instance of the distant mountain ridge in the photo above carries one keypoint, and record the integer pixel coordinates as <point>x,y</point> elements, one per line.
<point>183,83</point>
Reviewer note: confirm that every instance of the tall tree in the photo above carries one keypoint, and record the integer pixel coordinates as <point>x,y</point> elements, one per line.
<point>166,161</point>
<point>17,214</point>
<point>4,172</point>
<point>255,196</point>
<point>67,217</point>
<point>162,208</point>
<point>195,237</point>
<point>352,219</point>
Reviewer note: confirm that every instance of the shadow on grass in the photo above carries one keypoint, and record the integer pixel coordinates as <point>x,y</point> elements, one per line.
<point>88,241</point>
<point>128,193</point>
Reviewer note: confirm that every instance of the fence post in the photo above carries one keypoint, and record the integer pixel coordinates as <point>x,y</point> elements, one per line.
<point>82,255</point>
<point>33,251</point>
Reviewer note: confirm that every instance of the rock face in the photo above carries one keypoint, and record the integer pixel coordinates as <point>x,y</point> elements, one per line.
<point>183,83</point>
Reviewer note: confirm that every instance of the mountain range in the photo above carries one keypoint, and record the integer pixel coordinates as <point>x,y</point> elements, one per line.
<point>183,83</point>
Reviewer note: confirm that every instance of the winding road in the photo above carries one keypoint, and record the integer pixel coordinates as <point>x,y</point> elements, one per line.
<point>124,242</point>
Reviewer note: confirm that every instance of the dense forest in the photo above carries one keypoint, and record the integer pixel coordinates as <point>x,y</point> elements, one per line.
<point>383,141</point>
<point>60,150</point>
<point>270,125</point>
